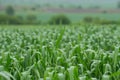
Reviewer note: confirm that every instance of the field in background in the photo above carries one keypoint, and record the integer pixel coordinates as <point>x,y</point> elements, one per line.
<point>74,17</point>
<point>77,17</point>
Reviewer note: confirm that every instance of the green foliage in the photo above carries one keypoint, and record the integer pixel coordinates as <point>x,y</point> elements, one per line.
<point>10,11</point>
<point>59,19</point>
<point>31,20</point>
<point>17,20</point>
<point>91,20</point>
<point>6,19</point>
<point>97,20</point>
<point>79,7</point>
<point>88,19</point>
<point>86,52</point>
<point>31,17</point>
<point>108,22</point>
<point>118,4</point>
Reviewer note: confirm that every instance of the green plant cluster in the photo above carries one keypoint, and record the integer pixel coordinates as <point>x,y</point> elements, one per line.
<point>6,19</point>
<point>96,20</point>
<point>86,52</point>
<point>59,19</point>
<point>19,20</point>
<point>32,20</point>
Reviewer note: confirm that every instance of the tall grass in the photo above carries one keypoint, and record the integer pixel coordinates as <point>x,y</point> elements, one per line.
<point>53,53</point>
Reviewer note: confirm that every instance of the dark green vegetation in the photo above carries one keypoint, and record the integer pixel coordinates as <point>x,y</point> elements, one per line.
<point>118,5</point>
<point>85,52</point>
<point>76,17</point>
<point>10,10</point>
<point>33,15</point>
<point>58,19</point>
<point>35,12</point>
<point>19,20</point>
<point>43,10</point>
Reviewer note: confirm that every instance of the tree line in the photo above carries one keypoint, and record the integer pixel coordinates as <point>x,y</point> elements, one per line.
<point>10,18</point>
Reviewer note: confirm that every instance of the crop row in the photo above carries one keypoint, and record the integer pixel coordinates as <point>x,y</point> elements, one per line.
<point>66,53</point>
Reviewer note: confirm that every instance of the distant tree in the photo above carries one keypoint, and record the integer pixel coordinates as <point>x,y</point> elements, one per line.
<point>33,8</point>
<point>10,10</point>
<point>31,17</point>
<point>88,19</point>
<point>79,7</point>
<point>20,17</point>
<point>118,5</point>
<point>96,7</point>
<point>104,11</point>
<point>6,19</point>
<point>61,6</point>
<point>59,19</point>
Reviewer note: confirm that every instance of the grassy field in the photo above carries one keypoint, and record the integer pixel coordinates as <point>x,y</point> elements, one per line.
<point>81,52</point>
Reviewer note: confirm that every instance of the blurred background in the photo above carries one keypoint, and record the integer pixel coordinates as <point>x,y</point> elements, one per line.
<point>55,12</point>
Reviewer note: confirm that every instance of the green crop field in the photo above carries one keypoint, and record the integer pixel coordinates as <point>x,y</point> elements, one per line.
<point>81,52</point>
